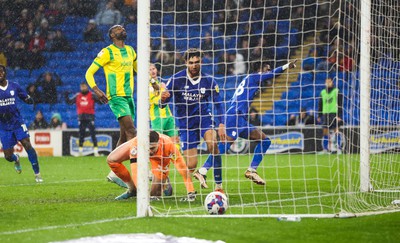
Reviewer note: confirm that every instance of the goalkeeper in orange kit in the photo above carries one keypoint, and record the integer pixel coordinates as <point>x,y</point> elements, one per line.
<point>162,152</point>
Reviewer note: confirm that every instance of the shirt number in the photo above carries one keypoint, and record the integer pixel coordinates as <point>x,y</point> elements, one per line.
<point>240,88</point>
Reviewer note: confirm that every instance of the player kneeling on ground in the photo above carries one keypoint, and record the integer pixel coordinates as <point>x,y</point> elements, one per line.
<point>162,152</point>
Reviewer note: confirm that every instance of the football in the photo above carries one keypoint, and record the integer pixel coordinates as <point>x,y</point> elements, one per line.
<point>216,203</point>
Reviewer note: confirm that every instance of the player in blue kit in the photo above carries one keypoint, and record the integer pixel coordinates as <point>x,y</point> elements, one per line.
<point>12,126</point>
<point>194,94</point>
<point>236,120</point>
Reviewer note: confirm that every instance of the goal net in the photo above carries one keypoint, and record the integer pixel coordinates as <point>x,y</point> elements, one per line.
<point>354,169</point>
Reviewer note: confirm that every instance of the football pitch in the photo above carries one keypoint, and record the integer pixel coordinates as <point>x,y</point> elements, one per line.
<point>76,201</point>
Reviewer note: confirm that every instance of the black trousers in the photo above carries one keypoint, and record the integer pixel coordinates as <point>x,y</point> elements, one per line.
<point>83,124</point>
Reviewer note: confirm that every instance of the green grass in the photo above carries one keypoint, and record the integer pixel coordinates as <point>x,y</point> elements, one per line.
<point>76,201</point>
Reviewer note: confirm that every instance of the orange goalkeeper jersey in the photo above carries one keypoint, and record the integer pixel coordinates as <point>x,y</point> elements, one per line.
<point>167,152</point>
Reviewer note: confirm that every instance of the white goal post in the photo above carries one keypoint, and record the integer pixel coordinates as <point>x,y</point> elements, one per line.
<point>355,43</point>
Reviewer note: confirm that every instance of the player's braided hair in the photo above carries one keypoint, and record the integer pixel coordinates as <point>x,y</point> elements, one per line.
<point>192,52</point>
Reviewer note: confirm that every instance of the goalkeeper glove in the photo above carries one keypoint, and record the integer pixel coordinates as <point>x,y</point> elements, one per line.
<point>191,196</point>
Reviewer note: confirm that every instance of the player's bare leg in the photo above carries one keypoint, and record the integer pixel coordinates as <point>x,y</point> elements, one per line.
<point>11,157</point>
<point>191,161</point>
<point>127,129</point>
<point>261,148</point>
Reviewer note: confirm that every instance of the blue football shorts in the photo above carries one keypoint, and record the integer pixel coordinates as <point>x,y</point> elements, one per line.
<point>237,125</point>
<point>190,137</point>
<point>9,138</point>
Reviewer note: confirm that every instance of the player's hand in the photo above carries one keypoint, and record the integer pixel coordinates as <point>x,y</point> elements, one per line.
<point>222,132</point>
<point>191,197</point>
<point>100,95</point>
<point>165,95</point>
<point>292,64</point>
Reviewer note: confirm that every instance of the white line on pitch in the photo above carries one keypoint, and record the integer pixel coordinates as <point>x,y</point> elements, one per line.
<point>53,182</point>
<point>65,226</point>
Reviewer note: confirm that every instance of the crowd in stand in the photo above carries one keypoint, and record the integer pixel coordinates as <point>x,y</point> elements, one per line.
<point>29,28</point>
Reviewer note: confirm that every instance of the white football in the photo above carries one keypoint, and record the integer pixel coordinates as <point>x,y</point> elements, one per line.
<point>216,203</point>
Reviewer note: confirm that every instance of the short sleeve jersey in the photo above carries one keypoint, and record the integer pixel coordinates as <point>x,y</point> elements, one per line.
<point>119,65</point>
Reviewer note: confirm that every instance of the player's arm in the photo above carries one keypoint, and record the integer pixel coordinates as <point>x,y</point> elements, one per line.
<point>70,100</point>
<point>23,95</point>
<point>219,111</point>
<point>340,105</point>
<point>320,109</point>
<point>278,71</point>
<point>166,95</point>
<point>180,165</point>
<point>103,57</point>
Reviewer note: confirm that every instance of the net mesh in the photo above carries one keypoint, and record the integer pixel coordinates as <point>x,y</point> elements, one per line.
<point>241,37</point>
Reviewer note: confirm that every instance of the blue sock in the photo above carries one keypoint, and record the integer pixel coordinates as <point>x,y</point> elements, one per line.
<point>259,152</point>
<point>217,169</point>
<point>209,161</point>
<point>339,141</point>
<point>223,147</point>
<point>33,159</point>
<point>12,159</point>
<point>325,140</point>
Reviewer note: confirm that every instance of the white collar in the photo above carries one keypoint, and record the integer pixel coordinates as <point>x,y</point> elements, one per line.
<point>192,80</point>
<point>5,87</point>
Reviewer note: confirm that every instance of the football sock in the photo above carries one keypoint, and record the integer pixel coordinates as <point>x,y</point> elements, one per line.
<point>32,156</point>
<point>13,158</point>
<point>339,141</point>
<point>259,152</point>
<point>209,161</point>
<point>217,169</point>
<point>121,171</point>
<point>325,140</point>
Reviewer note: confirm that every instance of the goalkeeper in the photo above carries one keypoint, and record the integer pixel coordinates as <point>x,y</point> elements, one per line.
<point>162,152</point>
<point>236,120</point>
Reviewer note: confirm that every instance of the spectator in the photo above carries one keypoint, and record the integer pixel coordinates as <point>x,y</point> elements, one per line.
<point>130,12</point>
<point>22,21</point>
<point>82,8</point>
<point>39,122</point>
<point>17,55</point>
<point>239,66</point>
<point>92,33</point>
<point>302,119</point>
<point>34,93</point>
<point>109,15</point>
<point>48,83</point>
<point>59,42</point>
<point>44,28</point>
<point>56,122</point>
<point>37,42</point>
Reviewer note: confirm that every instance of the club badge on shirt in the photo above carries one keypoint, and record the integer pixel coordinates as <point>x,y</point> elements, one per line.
<point>134,151</point>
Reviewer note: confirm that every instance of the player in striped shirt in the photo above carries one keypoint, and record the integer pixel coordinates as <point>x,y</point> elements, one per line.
<point>236,120</point>
<point>12,125</point>
<point>162,120</point>
<point>194,94</point>
<point>119,64</point>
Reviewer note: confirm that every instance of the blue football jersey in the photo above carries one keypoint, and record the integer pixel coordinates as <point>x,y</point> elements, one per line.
<point>248,88</point>
<point>10,118</point>
<point>194,99</point>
